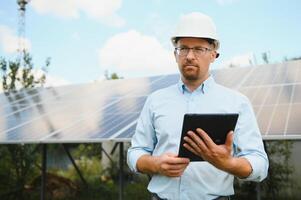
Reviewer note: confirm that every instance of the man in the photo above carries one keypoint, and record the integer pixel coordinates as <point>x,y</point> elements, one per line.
<point>155,143</point>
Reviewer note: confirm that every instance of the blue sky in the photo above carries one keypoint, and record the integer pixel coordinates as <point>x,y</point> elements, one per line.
<point>131,37</point>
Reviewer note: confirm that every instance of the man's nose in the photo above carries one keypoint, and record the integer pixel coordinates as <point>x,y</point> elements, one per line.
<point>190,54</point>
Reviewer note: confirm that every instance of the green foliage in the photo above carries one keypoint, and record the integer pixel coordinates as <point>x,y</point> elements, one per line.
<point>19,74</point>
<point>88,150</point>
<point>112,76</point>
<point>18,162</point>
<point>294,58</point>
<point>17,169</point>
<point>280,170</point>
<point>265,57</point>
<point>90,166</point>
<point>102,183</point>
<point>137,189</point>
<point>279,179</point>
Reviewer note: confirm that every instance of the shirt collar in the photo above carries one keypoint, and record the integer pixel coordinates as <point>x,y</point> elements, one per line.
<point>204,87</point>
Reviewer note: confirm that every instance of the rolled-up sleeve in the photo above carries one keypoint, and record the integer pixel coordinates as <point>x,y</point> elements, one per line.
<point>144,139</point>
<point>248,143</point>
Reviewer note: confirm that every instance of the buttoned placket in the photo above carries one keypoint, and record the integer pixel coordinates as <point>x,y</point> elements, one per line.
<point>191,107</point>
<point>192,97</point>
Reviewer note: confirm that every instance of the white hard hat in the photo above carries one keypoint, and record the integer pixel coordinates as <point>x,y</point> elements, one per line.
<point>196,25</point>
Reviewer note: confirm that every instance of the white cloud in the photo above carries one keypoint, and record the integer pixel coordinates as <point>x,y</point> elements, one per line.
<point>102,10</point>
<point>113,20</point>
<point>55,81</point>
<point>9,41</point>
<point>242,60</point>
<point>51,80</point>
<point>62,8</point>
<point>99,8</point>
<point>132,54</point>
<point>160,28</point>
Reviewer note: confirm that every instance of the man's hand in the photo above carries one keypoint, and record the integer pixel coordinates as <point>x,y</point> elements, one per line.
<point>170,165</point>
<point>203,146</point>
<point>167,164</point>
<point>218,155</point>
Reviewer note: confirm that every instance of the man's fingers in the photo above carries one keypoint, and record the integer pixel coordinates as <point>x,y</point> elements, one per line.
<point>195,142</point>
<point>205,137</point>
<point>175,173</point>
<point>175,166</point>
<point>187,146</point>
<point>177,160</point>
<point>171,154</point>
<point>173,170</point>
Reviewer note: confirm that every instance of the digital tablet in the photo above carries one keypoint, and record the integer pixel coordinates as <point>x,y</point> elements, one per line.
<point>217,126</point>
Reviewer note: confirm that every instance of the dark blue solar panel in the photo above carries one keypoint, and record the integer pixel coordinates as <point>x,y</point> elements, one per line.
<point>108,110</point>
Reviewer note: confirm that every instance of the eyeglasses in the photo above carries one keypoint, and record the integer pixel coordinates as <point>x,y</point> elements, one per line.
<point>197,51</point>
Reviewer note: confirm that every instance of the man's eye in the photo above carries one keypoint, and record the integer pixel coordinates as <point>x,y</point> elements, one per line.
<point>199,49</point>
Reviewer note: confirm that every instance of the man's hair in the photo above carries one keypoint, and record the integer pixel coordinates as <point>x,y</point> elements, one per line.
<point>211,42</point>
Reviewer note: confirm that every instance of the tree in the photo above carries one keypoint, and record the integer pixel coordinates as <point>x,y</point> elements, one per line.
<point>19,161</point>
<point>294,58</point>
<point>17,77</point>
<point>112,76</point>
<point>265,57</point>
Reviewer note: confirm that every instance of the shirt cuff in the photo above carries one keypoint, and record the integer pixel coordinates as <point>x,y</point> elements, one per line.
<point>133,157</point>
<point>259,168</point>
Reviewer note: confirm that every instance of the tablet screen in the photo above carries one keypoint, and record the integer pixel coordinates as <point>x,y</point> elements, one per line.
<point>217,126</point>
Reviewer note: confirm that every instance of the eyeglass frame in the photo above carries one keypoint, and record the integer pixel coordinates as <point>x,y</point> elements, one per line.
<point>203,51</point>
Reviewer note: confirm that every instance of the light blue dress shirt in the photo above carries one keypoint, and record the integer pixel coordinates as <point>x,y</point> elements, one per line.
<point>159,129</point>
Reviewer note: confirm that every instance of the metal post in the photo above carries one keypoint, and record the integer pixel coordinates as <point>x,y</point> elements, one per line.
<point>107,155</point>
<point>120,171</point>
<point>74,164</point>
<point>44,169</point>
<point>258,190</point>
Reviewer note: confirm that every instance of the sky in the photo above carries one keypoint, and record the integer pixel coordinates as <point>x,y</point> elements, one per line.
<point>86,38</point>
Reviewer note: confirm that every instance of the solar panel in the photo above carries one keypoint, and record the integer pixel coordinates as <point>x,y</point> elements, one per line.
<point>108,110</point>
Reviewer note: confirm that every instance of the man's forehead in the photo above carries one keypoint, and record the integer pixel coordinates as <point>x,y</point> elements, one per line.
<point>192,41</point>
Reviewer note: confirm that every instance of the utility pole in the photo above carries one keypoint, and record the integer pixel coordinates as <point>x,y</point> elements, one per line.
<point>21,29</point>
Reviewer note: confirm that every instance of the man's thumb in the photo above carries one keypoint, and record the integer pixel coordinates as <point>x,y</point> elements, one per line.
<point>229,139</point>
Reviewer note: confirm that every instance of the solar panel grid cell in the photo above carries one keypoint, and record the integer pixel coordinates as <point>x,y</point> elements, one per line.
<point>277,123</point>
<point>127,134</point>
<point>297,94</point>
<point>294,125</point>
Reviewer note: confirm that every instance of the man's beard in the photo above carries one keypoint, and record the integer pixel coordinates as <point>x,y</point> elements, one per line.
<point>190,74</point>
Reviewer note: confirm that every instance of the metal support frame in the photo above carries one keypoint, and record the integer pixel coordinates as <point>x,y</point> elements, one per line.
<point>258,191</point>
<point>44,168</point>
<point>74,164</point>
<point>114,148</point>
<point>43,171</point>
<point>121,159</point>
<point>106,153</point>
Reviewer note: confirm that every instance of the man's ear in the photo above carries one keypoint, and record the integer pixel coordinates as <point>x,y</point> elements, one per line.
<point>213,56</point>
